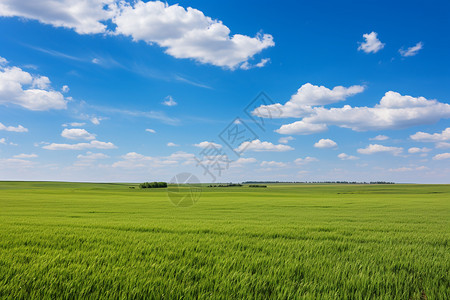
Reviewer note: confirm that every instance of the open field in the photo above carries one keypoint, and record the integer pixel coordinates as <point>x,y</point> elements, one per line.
<point>67,240</point>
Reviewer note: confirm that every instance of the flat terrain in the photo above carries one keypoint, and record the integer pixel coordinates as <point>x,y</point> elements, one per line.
<point>68,240</point>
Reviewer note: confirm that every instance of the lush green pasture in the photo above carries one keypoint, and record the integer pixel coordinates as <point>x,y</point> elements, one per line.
<point>68,240</point>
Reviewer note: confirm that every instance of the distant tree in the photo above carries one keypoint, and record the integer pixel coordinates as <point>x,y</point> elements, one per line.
<point>152,185</point>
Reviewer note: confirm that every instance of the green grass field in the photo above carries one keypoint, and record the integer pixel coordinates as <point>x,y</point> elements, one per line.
<point>70,240</point>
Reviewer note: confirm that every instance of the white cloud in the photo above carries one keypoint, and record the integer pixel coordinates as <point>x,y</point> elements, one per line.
<point>379,138</point>
<point>96,120</point>
<point>285,139</point>
<point>85,17</point>
<point>394,111</point>
<point>301,127</point>
<point>41,82</point>
<point>77,134</point>
<point>273,164</point>
<point>133,160</point>
<point>411,51</point>
<point>3,141</point>
<point>435,137</point>
<point>150,130</point>
<point>258,146</point>
<point>188,33</point>
<point>3,60</point>
<point>244,160</point>
<point>303,161</point>
<point>170,144</point>
<point>18,87</point>
<point>325,143</point>
<point>74,124</point>
<point>169,101</point>
<point>184,33</point>
<point>442,145</point>
<point>441,156</point>
<point>309,95</point>
<point>92,156</point>
<point>19,128</point>
<point>344,156</point>
<point>65,89</point>
<point>80,146</point>
<point>206,144</point>
<point>414,150</point>
<point>371,44</point>
<point>375,148</point>
<point>25,155</point>
<point>15,163</point>
<point>247,66</point>
<point>408,169</point>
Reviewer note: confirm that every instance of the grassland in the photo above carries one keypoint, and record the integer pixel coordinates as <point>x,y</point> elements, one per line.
<point>70,240</point>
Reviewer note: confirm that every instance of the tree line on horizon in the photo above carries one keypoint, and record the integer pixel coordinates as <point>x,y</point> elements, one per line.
<point>155,184</point>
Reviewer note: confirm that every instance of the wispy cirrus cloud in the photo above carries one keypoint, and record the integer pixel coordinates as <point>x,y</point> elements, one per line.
<point>80,146</point>
<point>411,51</point>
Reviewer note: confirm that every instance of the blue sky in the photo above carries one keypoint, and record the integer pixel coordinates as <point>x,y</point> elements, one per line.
<point>103,90</point>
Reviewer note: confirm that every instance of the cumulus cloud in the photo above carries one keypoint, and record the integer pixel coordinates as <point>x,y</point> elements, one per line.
<point>285,139</point>
<point>379,138</point>
<point>206,144</point>
<point>395,111</point>
<point>19,128</point>
<point>170,144</point>
<point>344,156</point>
<point>74,124</point>
<point>77,134</point>
<point>273,164</point>
<point>371,43</point>
<point>21,88</point>
<point>169,101</point>
<point>411,51</point>
<point>375,148</point>
<point>85,17</point>
<point>258,146</point>
<point>309,95</point>
<point>414,150</point>
<point>150,130</point>
<point>65,89</point>
<point>183,33</point>
<point>80,146</point>
<point>302,128</point>
<point>245,160</point>
<point>306,160</point>
<point>325,143</point>
<point>188,33</point>
<point>92,156</point>
<point>441,156</point>
<point>435,137</point>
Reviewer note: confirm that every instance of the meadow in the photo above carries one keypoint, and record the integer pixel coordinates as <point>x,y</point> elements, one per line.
<point>286,241</point>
